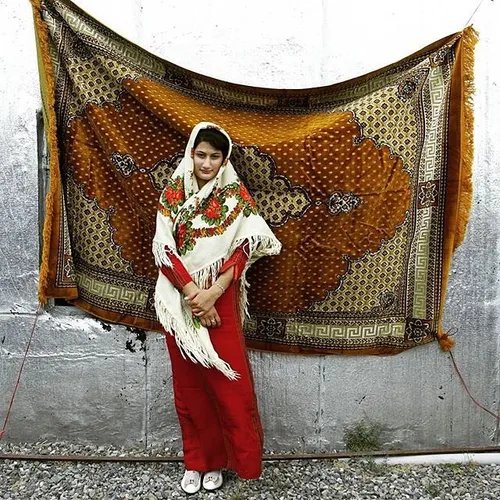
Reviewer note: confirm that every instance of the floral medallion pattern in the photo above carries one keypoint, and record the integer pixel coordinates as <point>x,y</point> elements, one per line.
<point>343,203</point>
<point>124,163</point>
<point>418,329</point>
<point>407,88</point>
<point>428,193</point>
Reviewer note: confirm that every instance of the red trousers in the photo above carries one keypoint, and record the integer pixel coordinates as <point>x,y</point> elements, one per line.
<point>219,418</point>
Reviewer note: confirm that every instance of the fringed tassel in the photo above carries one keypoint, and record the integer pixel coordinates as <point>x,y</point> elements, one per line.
<point>244,286</point>
<point>446,340</point>
<point>206,276</point>
<point>193,343</point>
<point>258,246</point>
<point>261,246</point>
<point>48,90</point>
<point>469,39</point>
<point>161,255</point>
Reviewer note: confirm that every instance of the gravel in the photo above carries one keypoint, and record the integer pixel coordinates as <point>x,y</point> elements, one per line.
<point>280,480</point>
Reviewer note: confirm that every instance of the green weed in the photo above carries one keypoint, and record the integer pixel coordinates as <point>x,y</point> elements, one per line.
<point>363,436</point>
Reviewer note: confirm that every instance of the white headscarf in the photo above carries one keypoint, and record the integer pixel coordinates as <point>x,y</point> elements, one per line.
<point>203,227</point>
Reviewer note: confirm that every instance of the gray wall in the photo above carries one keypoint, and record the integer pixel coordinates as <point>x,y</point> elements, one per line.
<point>88,382</point>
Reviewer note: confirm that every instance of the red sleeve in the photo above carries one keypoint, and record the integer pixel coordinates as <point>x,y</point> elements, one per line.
<point>177,274</point>
<point>238,260</point>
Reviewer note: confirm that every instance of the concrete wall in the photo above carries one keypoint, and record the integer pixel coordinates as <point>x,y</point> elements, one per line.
<point>88,382</point>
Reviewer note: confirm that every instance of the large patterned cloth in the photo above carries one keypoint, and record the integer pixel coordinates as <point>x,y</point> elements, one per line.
<point>366,183</point>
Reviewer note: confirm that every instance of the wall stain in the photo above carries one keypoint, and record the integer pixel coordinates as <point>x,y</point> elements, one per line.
<point>140,337</point>
<point>130,346</point>
<point>105,326</point>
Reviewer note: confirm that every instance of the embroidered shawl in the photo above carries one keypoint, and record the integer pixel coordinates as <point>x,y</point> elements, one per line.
<point>203,227</point>
<point>367,184</point>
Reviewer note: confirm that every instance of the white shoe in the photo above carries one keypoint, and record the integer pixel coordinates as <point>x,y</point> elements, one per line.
<point>212,480</point>
<point>191,481</point>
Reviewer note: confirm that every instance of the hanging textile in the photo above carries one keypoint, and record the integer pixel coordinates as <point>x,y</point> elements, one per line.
<point>367,183</point>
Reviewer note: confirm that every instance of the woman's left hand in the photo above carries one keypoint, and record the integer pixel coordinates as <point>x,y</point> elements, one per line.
<point>211,319</point>
<point>202,301</point>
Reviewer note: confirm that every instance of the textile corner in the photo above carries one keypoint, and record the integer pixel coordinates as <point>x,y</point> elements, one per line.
<point>367,183</point>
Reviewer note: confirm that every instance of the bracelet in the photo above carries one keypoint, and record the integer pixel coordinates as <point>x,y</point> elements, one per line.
<point>220,286</point>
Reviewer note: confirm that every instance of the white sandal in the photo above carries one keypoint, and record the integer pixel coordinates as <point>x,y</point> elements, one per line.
<point>191,481</point>
<point>212,480</point>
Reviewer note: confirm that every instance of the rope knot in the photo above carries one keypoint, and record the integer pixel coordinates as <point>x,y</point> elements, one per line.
<point>446,340</point>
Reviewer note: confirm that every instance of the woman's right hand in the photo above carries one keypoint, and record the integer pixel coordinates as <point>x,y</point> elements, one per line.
<point>210,319</point>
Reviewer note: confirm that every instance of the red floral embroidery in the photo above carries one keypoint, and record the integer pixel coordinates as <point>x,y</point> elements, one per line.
<point>214,209</point>
<point>180,235</point>
<point>173,196</point>
<point>215,213</point>
<point>245,195</point>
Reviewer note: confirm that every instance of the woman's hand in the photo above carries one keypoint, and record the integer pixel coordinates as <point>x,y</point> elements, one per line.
<point>211,319</point>
<point>202,301</point>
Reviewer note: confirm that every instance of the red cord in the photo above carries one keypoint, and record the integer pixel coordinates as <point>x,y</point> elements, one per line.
<point>2,432</point>
<point>495,415</point>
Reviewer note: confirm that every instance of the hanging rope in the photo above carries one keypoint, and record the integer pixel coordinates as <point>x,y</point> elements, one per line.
<point>4,427</point>
<point>447,342</point>
<point>494,415</point>
<point>474,13</point>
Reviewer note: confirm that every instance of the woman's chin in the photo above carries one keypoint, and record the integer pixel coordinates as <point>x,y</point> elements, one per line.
<point>205,178</point>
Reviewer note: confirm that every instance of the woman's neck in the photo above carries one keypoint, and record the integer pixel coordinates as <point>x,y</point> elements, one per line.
<point>200,182</point>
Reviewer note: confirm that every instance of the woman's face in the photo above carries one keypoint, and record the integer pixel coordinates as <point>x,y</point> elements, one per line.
<point>207,162</point>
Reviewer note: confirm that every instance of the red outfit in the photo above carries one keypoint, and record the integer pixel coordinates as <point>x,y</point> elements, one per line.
<point>219,418</point>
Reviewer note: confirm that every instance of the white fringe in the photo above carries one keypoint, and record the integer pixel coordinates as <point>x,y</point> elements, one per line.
<point>160,255</point>
<point>206,276</point>
<point>193,342</point>
<point>258,246</point>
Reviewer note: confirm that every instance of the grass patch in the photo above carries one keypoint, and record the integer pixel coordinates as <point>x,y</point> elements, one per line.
<point>363,436</point>
<point>375,468</point>
<point>462,468</point>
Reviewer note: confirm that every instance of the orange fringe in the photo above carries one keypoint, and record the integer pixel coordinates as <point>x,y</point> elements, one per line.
<point>469,39</point>
<point>47,84</point>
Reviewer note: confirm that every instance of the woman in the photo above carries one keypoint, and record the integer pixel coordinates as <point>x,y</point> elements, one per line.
<point>208,233</point>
